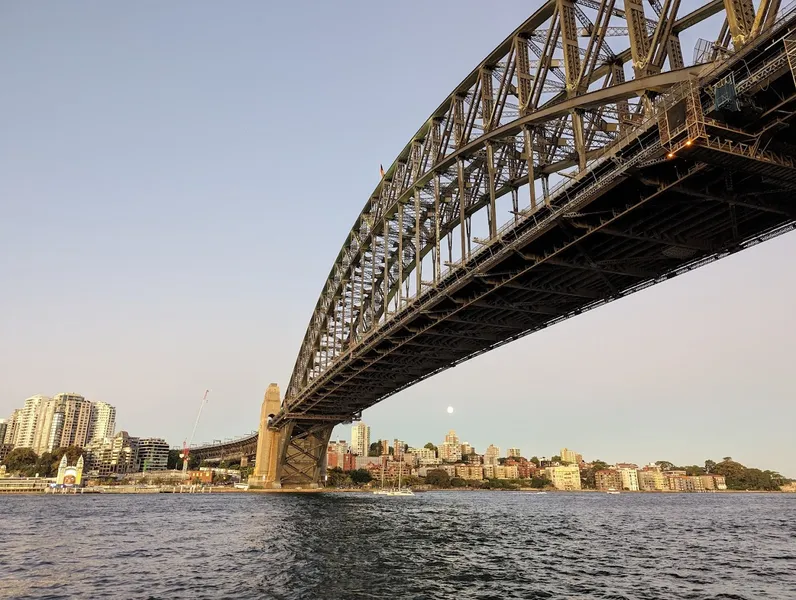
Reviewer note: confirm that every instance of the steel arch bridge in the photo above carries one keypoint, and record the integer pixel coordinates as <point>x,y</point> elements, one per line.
<point>582,160</point>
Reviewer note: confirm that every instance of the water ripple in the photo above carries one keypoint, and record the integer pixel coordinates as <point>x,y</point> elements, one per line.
<point>434,545</point>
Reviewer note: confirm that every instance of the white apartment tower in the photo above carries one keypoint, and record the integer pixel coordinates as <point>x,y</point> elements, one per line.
<point>29,417</point>
<point>103,421</point>
<point>360,439</point>
<point>48,426</point>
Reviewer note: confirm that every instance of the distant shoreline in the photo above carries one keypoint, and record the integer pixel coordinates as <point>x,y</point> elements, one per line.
<point>225,490</point>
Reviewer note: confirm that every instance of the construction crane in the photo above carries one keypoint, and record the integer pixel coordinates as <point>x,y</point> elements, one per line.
<point>186,444</point>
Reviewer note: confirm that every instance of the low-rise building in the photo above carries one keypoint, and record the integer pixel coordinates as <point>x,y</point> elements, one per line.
<point>153,454</point>
<point>685,483</point>
<point>24,485</point>
<point>513,453</point>
<point>5,450</point>
<point>607,479</point>
<point>471,473</point>
<point>713,482</point>
<point>526,469</point>
<point>472,459</point>
<point>651,480</point>
<point>448,468</point>
<point>566,477</point>
<point>203,476</point>
<point>113,456</point>
<point>423,453</point>
<point>506,472</point>
<point>629,476</point>
<point>366,462</point>
<point>340,455</point>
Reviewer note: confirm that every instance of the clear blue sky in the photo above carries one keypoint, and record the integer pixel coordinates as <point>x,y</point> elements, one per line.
<point>176,179</point>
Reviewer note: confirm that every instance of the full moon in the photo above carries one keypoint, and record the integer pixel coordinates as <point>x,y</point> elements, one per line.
<point>450,410</point>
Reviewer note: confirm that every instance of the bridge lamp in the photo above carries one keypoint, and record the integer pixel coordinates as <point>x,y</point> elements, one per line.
<point>670,155</point>
<point>688,142</point>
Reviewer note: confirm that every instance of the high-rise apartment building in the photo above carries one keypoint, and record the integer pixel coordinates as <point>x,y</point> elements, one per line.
<point>153,454</point>
<point>467,449</point>
<point>49,425</point>
<point>451,449</point>
<point>450,452</point>
<point>360,439</point>
<point>3,429</point>
<point>77,419</point>
<point>103,421</point>
<point>491,455</point>
<point>398,449</point>
<point>12,428</point>
<point>28,419</point>
<point>514,453</point>
<point>569,456</point>
<point>452,438</point>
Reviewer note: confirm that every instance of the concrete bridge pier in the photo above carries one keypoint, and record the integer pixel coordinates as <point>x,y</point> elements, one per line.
<point>293,455</point>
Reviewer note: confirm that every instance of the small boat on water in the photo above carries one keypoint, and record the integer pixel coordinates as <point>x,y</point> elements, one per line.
<point>541,492</point>
<point>393,492</point>
<point>612,491</point>
<point>401,492</point>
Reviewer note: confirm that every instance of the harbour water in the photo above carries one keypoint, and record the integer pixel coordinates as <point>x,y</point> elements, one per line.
<point>432,545</point>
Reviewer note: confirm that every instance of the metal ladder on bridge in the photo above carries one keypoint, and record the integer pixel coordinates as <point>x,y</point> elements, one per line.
<point>790,51</point>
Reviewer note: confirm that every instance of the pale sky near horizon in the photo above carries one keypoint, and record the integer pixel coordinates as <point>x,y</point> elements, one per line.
<point>177,178</point>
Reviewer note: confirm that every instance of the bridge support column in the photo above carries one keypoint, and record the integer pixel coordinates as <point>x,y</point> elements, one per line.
<point>269,442</point>
<point>303,457</point>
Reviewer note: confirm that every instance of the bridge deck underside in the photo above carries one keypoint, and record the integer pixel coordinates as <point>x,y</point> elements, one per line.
<point>695,220</point>
<point>652,219</point>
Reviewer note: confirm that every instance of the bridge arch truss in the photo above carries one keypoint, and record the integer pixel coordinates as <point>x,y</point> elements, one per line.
<point>579,162</point>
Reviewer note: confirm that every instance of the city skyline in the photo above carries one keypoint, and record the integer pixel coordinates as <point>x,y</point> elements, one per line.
<point>569,470</point>
<point>213,300</point>
<point>102,415</point>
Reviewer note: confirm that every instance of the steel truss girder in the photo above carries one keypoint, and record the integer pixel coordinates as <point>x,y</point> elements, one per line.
<point>413,211</point>
<point>500,133</point>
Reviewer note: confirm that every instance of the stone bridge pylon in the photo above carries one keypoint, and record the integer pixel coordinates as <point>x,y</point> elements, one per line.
<point>294,454</point>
